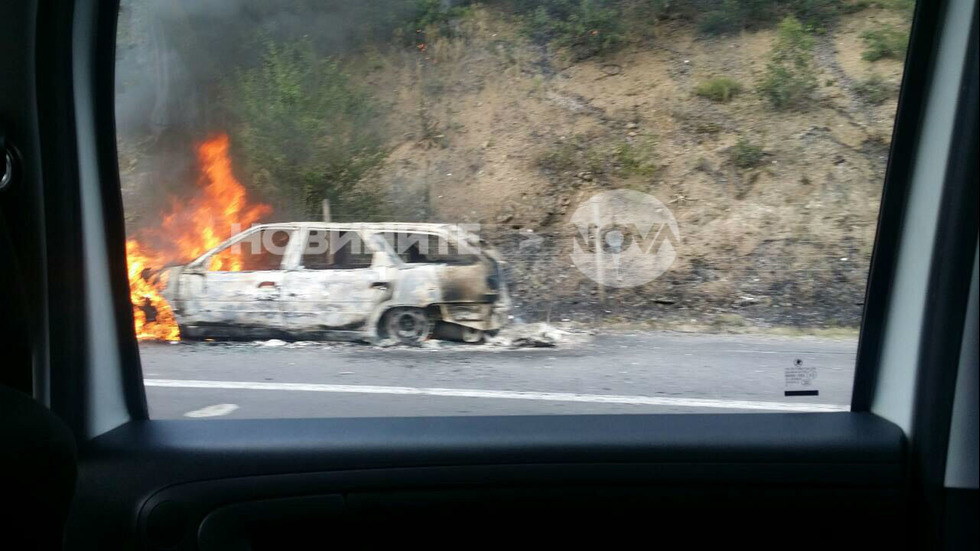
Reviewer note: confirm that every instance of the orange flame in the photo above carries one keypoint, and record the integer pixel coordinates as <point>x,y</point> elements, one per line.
<point>153,317</point>
<point>190,229</point>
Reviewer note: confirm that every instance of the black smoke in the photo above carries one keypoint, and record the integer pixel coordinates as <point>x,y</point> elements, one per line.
<point>174,58</point>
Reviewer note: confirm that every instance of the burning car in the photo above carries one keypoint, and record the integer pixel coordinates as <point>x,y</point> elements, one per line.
<point>310,280</point>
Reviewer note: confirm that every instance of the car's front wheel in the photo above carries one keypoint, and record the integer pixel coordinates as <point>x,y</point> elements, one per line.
<point>406,325</point>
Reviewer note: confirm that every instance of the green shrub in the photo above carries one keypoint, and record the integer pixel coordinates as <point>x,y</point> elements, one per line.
<point>635,157</point>
<point>719,22</point>
<point>745,154</point>
<point>605,155</point>
<point>305,132</point>
<point>874,89</point>
<point>755,12</point>
<point>856,6</point>
<point>790,80</point>
<point>729,16</point>
<point>591,30</point>
<point>733,15</point>
<point>904,7</point>
<point>884,42</point>
<point>816,14</point>
<point>429,12</point>
<point>640,16</point>
<point>432,16</point>
<point>721,89</point>
<point>586,27</point>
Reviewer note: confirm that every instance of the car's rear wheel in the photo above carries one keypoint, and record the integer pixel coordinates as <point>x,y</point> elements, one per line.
<point>406,325</point>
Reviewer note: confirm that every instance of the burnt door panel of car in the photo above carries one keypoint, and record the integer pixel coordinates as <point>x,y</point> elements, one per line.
<point>335,286</point>
<point>245,299</point>
<point>242,285</point>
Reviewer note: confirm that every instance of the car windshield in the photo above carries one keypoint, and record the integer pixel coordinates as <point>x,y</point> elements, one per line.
<point>443,207</point>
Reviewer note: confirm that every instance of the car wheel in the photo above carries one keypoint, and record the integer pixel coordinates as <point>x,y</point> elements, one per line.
<point>407,325</point>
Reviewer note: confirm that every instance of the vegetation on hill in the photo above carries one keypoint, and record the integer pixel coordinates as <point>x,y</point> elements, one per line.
<point>305,131</point>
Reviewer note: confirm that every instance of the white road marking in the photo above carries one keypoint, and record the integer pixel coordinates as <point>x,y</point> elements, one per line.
<point>217,410</point>
<point>501,394</point>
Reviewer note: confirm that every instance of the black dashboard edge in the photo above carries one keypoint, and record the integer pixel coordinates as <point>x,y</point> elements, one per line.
<point>204,464</point>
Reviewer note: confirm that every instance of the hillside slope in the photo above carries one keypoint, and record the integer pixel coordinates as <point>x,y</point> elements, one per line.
<point>488,127</point>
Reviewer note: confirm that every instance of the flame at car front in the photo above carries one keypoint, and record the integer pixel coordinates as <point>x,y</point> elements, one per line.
<point>190,228</point>
<point>152,315</point>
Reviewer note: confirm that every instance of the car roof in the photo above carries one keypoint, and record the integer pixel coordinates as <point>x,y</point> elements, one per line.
<point>376,226</point>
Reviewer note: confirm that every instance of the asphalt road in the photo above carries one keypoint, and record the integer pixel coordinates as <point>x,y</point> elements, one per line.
<point>610,373</point>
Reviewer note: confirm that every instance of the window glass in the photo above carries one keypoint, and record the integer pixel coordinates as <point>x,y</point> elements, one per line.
<point>579,206</point>
<point>335,250</point>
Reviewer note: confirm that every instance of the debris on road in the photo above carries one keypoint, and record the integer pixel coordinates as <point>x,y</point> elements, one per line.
<point>539,335</point>
<point>273,343</point>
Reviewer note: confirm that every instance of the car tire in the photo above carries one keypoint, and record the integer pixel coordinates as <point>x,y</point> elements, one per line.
<point>406,325</point>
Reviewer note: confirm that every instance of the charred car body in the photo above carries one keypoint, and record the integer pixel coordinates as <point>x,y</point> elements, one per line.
<point>312,280</point>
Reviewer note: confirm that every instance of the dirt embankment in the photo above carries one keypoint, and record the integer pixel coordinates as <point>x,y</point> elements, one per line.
<point>490,128</point>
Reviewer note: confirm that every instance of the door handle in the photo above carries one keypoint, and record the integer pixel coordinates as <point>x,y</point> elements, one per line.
<point>268,290</point>
<point>379,284</point>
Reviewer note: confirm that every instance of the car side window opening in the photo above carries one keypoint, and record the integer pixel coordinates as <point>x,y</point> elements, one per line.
<point>335,250</point>
<point>259,251</point>
<point>427,248</point>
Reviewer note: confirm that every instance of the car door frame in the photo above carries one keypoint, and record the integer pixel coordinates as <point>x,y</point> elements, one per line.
<point>369,286</point>
<point>256,287</point>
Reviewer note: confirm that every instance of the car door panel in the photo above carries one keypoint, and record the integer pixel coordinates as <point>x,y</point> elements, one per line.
<point>240,284</point>
<point>810,479</point>
<point>317,300</point>
<point>334,283</point>
<point>240,298</point>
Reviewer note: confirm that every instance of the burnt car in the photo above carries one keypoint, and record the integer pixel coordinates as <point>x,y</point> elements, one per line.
<point>312,280</point>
